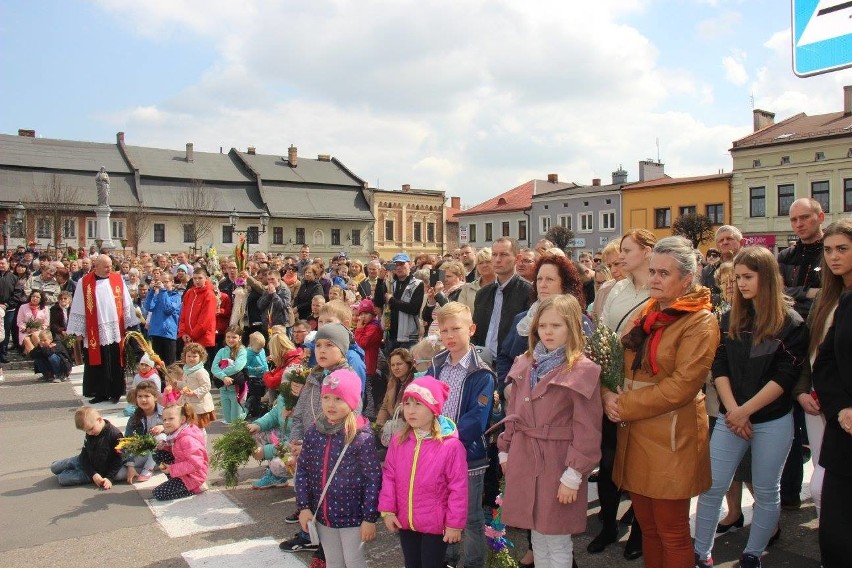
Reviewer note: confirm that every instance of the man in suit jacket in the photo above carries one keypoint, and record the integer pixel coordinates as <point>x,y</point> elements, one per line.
<point>497,304</point>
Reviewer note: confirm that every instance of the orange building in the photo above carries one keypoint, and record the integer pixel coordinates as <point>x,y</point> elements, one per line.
<point>655,204</point>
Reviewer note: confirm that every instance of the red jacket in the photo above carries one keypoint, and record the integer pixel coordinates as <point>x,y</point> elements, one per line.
<point>223,314</point>
<point>198,315</point>
<point>369,338</point>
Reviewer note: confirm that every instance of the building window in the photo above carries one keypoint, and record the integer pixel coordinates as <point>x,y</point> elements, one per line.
<point>505,229</point>
<point>586,222</point>
<point>16,230</point>
<point>757,202</point>
<point>389,230</point>
<point>786,196</point>
<point>755,163</point>
<point>544,224</point>
<point>471,233</point>
<point>488,232</point>
<point>227,234</point>
<point>118,229</point>
<point>820,192</point>
<point>159,232</point>
<point>335,237</point>
<point>847,195</point>
<point>91,229</point>
<point>662,218</point>
<point>300,235</point>
<point>69,228</point>
<point>716,213</point>
<point>566,221</point>
<point>44,228</point>
<point>686,210</point>
<point>430,232</point>
<point>356,237</point>
<point>188,232</point>
<point>785,160</point>
<point>277,235</point>
<point>418,235</point>
<point>607,220</point>
<point>252,235</point>
<point>522,229</point>
<point>819,156</point>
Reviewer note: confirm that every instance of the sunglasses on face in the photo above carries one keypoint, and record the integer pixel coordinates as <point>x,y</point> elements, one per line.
<point>597,261</point>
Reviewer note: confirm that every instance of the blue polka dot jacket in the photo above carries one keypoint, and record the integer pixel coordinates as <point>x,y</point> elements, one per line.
<point>353,494</point>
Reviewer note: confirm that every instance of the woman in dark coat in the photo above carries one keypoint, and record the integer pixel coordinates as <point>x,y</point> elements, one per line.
<point>310,287</point>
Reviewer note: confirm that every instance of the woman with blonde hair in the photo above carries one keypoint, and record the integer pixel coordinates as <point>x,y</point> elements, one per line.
<point>764,342</point>
<point>467,296</point>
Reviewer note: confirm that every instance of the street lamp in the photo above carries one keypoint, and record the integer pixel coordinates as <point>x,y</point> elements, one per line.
<point>234,218</point>
<point>6,226</point>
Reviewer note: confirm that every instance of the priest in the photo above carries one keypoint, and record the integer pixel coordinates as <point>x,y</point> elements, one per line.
<point>101,312</point>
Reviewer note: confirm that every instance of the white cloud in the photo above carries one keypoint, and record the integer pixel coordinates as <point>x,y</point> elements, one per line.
<point>723,25</point>
<point>735,70</point>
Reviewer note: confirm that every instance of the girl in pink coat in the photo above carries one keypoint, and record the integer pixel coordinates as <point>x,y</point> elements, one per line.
<point>424,478</point>
<point>183,455</point>
<point>553,433</point>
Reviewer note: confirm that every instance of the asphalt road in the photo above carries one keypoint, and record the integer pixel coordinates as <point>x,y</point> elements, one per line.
<point>43,525</point>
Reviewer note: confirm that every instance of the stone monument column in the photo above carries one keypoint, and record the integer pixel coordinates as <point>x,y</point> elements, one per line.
<point>103,210</point>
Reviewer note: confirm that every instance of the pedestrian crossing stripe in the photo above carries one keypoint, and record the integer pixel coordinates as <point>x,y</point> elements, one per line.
<point>255,553</point>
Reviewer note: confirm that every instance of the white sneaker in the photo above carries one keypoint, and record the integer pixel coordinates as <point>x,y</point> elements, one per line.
<point>2,378</point>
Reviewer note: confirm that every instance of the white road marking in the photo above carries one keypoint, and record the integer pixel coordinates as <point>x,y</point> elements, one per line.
<point>255,553</point>
<point>205,512</point>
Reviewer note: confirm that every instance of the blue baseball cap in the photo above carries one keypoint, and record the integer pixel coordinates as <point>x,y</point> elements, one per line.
<point>401,257</point>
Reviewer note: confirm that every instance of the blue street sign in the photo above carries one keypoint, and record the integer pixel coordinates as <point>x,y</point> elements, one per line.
<point>822,36</point>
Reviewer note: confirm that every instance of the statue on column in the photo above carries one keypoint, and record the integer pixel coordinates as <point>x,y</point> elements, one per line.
<point>102,181</point>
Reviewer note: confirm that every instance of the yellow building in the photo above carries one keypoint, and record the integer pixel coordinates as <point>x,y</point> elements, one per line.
<point>411,220</point>
<point>802,156</point>
<point>655,204</point>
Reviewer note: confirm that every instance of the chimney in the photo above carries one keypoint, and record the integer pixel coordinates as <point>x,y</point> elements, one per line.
<point>324,157</point>
<point>552,178</point>
<point>119,138</point>
<point>619,176</point>
<point>596,181</point>
<point>762,119</point>
<point>251,150</point>
<point>455,202</point>
<point>26,133</point>
<point>190,154</point>
<point>406,187</point>
<point>292,156</point>
<point>847,100</point>
<point>650,170</point>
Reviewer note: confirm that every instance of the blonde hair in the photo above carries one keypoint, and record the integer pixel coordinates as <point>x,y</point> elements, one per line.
<point>453,310</point>
<point>83,415</point>
<point>612,247</point>
<point>185,409</point>
<point>769,304</point>
<point>568,308</point>
<point>279,346</point>
<point>338,291</point>
<point>427,347</point>
<point>338,309</point>
<point>257,339</point>
<point>454,267</point>
<point>174,372</point>
<point>194,348</point>
<point>434,430</point>
<point>484,255</point>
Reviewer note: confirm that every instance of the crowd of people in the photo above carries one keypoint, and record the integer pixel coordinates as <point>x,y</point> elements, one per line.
<point>435,384</point>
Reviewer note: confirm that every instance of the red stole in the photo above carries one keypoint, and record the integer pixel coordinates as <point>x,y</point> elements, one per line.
<point>116,284</point>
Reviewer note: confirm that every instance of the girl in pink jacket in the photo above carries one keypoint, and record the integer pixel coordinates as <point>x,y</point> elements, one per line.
<point>424,478</point>
<point>183,455</point>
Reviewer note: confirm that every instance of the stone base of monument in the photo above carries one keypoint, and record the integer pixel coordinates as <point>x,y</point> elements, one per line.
<point>104,226</point>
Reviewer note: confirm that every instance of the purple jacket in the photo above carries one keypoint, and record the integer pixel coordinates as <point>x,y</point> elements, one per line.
<point>437,498</point>
<point>353,494</point>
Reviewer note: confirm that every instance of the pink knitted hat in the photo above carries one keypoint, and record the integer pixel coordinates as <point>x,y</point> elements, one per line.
<point>344,384</point>
<point>428,391</point>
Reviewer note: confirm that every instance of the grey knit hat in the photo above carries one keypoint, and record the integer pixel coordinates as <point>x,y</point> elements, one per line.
<point>337,334</point>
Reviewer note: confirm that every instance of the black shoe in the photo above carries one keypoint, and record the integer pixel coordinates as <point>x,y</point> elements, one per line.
<point>604,539</point>
<point>97,400</point>
<point>593,477</point>
<point>633,548</point>
<point>115,399</point>
<point>738,524</point>
<point>749,561</point>
<point>774,538</point>
<point>292,518</point>
<point>791,503</point>
<point>628,517</point>
<point>298,544</point>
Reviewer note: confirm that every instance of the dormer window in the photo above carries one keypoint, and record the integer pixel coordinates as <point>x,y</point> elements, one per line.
<point>755,163</point>
<point>785,160</point>
<point>819,156</point>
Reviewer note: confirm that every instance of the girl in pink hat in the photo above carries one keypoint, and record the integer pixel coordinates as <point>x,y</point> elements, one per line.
<point>424,477</point>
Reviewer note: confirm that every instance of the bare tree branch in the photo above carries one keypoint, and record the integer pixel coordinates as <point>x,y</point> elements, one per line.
<point>140,219</point>
<point>695,227</point>
<point>53,203</point>
<point>198,208</point>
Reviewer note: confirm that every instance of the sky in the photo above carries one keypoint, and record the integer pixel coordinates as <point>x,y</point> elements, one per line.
<point>472,97</point>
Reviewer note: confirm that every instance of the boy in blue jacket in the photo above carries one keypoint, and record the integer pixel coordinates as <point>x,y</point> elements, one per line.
<point>469,405</point>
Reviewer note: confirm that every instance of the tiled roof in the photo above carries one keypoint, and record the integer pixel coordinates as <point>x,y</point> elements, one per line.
<point>574,189</point>
<point>797,128</point>
<point>673,181</point>
<point>516,199</point>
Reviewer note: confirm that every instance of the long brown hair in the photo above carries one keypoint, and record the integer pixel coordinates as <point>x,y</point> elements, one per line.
<point>238,331</point>
<point>769,306</point>
<point>832,287</point>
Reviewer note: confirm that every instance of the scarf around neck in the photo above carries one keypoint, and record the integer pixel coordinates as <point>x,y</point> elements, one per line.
<point>523,326</point>
<point>187,370</point>
<point>327,428</point>
<point>648,330</point>
<point>545,361</point>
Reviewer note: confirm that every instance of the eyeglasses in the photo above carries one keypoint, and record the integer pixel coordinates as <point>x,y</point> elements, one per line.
<point>597,261</point>
<point>528,261</point>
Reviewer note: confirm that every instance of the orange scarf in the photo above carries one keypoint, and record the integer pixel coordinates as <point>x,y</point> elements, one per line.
<point>647,331</point>
<point>93,343</point>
